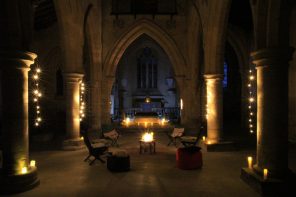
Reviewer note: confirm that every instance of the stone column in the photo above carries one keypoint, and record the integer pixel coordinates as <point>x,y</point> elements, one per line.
<point>73,141</point>
<point>95,106</point>
<point>214,107</point>
<point>106,92</point>
<point>272,110</point>
<point>15,139</point>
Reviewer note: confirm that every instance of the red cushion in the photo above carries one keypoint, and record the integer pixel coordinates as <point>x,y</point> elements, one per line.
<point>189,158</point>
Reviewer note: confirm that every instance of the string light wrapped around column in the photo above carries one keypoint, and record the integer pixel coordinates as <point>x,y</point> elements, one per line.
<point>82,101</point>
<point>252,101</point>
<point>37,94</point>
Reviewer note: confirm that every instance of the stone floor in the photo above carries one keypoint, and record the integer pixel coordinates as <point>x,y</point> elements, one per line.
<point>64,173</point>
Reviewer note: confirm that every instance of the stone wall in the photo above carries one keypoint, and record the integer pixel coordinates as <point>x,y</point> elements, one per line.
<point>292,80</point>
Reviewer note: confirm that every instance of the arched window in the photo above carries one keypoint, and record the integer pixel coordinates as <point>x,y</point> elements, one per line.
<point>147,70</point>
<point>225,79</point>
<point>59,83</point>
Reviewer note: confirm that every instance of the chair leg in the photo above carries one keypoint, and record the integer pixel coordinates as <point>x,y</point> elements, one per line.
<point>101,159</point>
<point>87,158</point>
<point>92,162</point>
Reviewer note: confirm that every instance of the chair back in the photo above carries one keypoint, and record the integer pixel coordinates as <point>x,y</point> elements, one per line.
<point>178,132</point>
<point>111,134</point>
<point>87,141</point>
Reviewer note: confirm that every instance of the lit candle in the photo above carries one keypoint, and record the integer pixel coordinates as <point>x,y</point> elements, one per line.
<point>32,163</point>
<point>24,170</point>
<point>265,173</point>
<point>250,162</point>
<point>203,138</point>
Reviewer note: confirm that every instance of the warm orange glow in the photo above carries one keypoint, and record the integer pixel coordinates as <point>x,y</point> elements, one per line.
<point>32,163</point>
<point>148,137</point>
<point>250,162</point>
<point>181,103</point>
<point>251,100</point>
<point>265,173</point>
<point>24,170</point>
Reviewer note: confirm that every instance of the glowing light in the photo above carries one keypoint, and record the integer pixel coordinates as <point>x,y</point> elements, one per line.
<point>32,163</point>
<point>24,170</point>
<point>147,100</point>
<point>209,142</point>
<point>37,94</point>
<point>81,137</point>
<point>204,138</point>
<point>147,137</point>
<point>251,86</point>
<point>250,162</point>
<point>265,174</point>
<point>82,105</point>
<point>181,103</point>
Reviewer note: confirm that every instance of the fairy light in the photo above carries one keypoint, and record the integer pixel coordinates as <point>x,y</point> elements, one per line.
<point>252,101</point>
<point>37,94</point>
<point>82,101</point>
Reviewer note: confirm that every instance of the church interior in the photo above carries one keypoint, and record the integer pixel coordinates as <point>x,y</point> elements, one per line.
<point>147,97</point>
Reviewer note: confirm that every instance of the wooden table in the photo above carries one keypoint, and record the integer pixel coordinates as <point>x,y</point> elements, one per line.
<point>147,146</point>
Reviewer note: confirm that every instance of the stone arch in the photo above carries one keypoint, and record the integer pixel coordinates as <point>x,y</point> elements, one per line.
<point>241,51</point>
<point>157,34</point>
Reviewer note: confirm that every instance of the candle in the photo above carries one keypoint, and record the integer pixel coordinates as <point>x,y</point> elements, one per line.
<point>203,138</point>
<point>24,170</point>
<point>250,162</point>
<point>265,173</point>
<point>32,163</point>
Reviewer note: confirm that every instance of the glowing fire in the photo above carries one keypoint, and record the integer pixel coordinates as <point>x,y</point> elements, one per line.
<point>147,137</point>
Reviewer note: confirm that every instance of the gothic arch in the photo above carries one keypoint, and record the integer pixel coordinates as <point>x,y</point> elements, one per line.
<point>157,34</point>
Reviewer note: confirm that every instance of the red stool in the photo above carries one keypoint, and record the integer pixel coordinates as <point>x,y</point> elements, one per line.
<point>189,158</point>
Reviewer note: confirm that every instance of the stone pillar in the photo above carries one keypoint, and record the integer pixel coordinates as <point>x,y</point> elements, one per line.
<point>190,114</point>
<point>15,139</point>
<point>272,122</point>
<point>95,106</point>
<point>272,110</point>
<point>214,107</point>
<point>73,141</point>
<point>106,92</point>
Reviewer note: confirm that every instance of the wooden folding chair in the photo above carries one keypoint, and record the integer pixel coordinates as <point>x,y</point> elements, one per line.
<point>176,134</point>
<point>112,136</point>
<point>96,152</point>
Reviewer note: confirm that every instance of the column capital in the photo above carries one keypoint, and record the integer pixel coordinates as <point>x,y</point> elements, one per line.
<point>272,56</point>
<point>16,59</point>
<point>214,76</point>
<point>73,77</point>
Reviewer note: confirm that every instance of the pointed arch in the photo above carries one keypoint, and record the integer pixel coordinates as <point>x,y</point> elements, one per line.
<point>157,34</point>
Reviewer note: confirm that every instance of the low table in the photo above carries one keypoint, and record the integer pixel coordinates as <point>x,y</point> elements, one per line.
<point>147,146</point>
